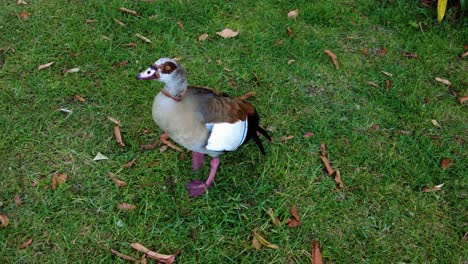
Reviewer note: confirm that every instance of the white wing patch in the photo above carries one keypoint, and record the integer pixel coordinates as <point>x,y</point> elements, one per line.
<point>226,136</point>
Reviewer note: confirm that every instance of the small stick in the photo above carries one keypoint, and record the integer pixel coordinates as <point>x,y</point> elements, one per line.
<point>167,259</point>
<point>164,139</point>
<point>246,96</point>
<point>115,252</point>
<point>118,136</point>
<point>132,12</point>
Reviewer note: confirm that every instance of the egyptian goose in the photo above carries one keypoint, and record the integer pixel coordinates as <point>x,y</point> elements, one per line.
<point>200,119</point>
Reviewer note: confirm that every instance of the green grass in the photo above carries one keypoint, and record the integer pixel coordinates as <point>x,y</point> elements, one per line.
<point>382,218</point>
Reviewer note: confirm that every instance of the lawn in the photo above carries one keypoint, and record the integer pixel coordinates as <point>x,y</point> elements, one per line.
<point>386,122</point>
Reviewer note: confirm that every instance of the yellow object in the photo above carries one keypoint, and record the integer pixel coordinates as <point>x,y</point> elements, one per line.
<point>441,7</point>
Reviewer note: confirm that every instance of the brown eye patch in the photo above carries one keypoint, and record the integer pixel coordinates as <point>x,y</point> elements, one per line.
<point>168,67</point>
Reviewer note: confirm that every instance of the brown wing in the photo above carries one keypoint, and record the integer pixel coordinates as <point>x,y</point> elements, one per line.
<point>219,108</point>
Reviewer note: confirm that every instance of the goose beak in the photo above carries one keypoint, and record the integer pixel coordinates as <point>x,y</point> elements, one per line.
<point>148,74</point>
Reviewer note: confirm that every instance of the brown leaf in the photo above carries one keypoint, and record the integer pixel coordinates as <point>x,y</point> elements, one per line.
<point>316,255</point>
<point>161,258</point>
<point>129,164</point>
<point>446,162</point>
<point>433,189</point>
<point>295,221</point>
<point>44,66</point>
<point>120,23</point>
<point>203,37</point>
<point>140,36</point>
<point>293,14</point>
<point>333,58</point>
<point>24,15</point>
<point>123,256</point>
<point>164,138</point>
<point>364,51</point>
<point>91,21</point>
<point>327,164</point>
<point>373,84</point>
<point>143,260</point>
<point>126,207</point>
<point>117,181</point>
<point>79,98</point>
<point>289,31</point>
<point>374,128</point>
<point>180,24</point>
<point>148,146</point>
<point>410,55</point>
<point>275,220</point>
<point>463,99</point>
<point>115,121</point>
<point>444,81</point>
<point>4,220</point>
<point>308,134</point>
<point>128,11</point>
<point>255,243</point>
<point>118,136</point>
<point>387,85</point>
<point>21,2</point>
<point>25,244</point>
<point>18,200</point>
<point>163,148</point>
<point>57,179</point>
<point>246,96</point>
<point>285,138</point>
<point>256,236</point>
<point>339,183</point>
<point>129,45</point>
<point>227,33</point>
<point>383,51</point>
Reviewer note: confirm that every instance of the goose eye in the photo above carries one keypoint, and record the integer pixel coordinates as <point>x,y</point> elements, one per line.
<point>168,68</point>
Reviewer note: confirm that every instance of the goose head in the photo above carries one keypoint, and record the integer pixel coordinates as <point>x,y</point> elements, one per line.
<point>165,70</point>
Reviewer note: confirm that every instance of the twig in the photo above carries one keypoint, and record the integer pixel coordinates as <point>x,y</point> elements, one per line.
<point>334,58</point>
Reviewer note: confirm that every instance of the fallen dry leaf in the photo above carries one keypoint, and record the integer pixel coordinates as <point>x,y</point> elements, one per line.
<point>364,51</point>
<point>464,55</point>
<point>410,55</point>
<point>148,146</point>
<point>387,73</point>
<point>339,183</point>
<point>25,244</point>
<point>129,164</point>
<point>463,99</point>
<point>126,207</point>
<point>285,138</point>
<point>57,179</point>
<point>433,189</point>
<point>100,156</point>
<point>325,160</point>
<point>446,162</point>
<point>129,45</point>
<point>24,15</point>
<point>227,33</point>
<point>123,256</point>
<point>293,14</point>
<point>291,62</point>
<point>258,239</point>
<point>114,120</point>
<point>18,200</point>
<point>72,70</point>
<point>79,98</point>
<point>374,128</point>
<point>435,123</point>
<point>246,96</point>
<point>21,2</point>
<point>164,138</point>
<point>143,260</point>
<point>161,258</point>
<point>118,136</point>
<point>333,58</point>
<point>373,84</point>
<point>203,37</point>
<point>4,220</point>
<point>444,81</point>
<point>289,31</point>
<point>316,255</point>
<point>275,220</point>
<point>140,36</point>
<point>44,66</point>
<point>117,181</point>
<point>163,148</point>
<point>383,51</point>
<point>180,24</point>
<point>295,221</point>
<point>120,22</point>
<point>90,21</point>
<point>128,11</point>
<point>308,134</point>
<point>387,85</point>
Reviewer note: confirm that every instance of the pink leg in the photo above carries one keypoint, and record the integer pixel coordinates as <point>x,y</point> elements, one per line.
<point>197,160</point>
<point>197,187</point>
